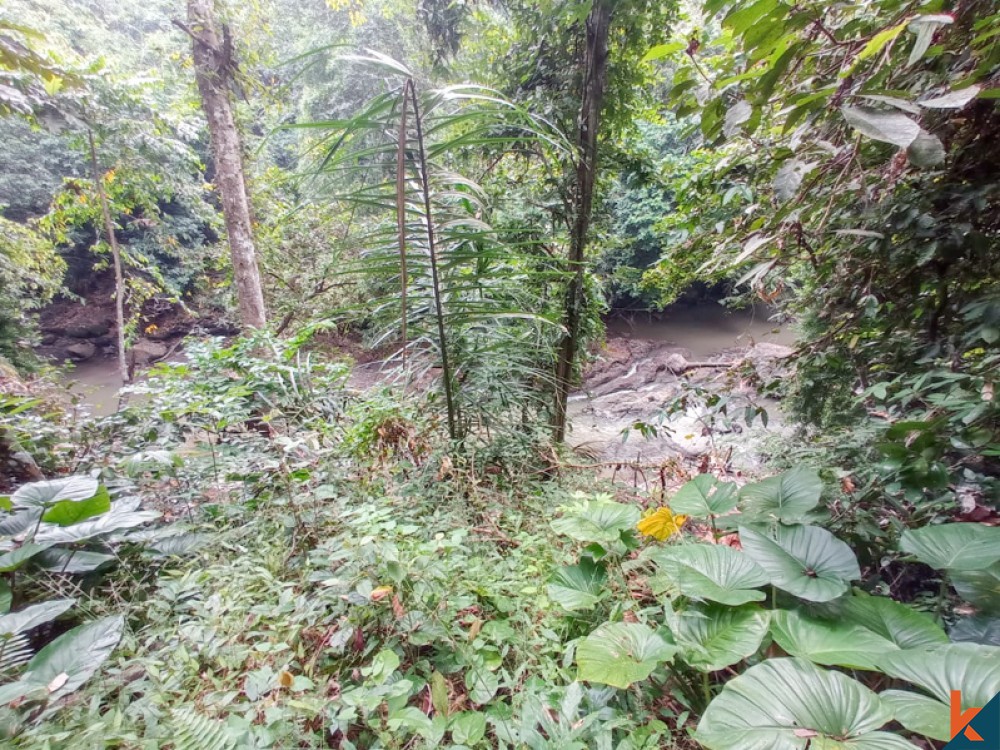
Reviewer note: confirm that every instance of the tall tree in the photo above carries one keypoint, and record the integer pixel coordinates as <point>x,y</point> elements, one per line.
<point>595,73</point>
<point>214,71</point>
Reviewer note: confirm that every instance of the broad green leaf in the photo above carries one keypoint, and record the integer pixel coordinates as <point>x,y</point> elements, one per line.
<point>712,572</point>
<point>6,597</point>
<point>877,43</point>
<point>704,496</point>
<point>468,727</point>
<point>830,642</point>
<point>72,561</point>
<point>482,685</point>
<point>807,561</point>
<point>953,99</point>
<point>791,704</point>
<point>621,653</point>
<point>747,15</point>
<point>663,50</point>
<point>69,512</point>
<point>713,636</point>
<point>980,629</point>
<point>971,668</point>
<point>77,654</point>
<point>953,546</point>
<point>918,713</point>
<point>924,27</point>
<point>114,520</point>
<point>896,622</point>
<point>580,586</point>
<point>33,616</point>
<point>45,493</point>
<point>736,115</point>
<point>979,587</point>
<point>16,558</point>
<point>597,521</point>
<point>882,125</point>
<point>787,497</point>
<point>926,151</point>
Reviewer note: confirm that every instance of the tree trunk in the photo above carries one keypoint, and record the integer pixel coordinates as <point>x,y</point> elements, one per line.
<point>595,70</point>
<point>116,257</point>
<point>214,66</point>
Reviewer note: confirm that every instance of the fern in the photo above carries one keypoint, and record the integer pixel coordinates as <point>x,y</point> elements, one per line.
<point>14,651</point>
<point>193,731</point>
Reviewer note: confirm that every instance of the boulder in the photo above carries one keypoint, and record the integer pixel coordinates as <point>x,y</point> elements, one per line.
<point>88,330</point>
<point>145,351</point>
<point>81,351</point>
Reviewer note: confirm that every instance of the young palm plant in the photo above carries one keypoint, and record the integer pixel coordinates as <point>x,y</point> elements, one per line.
<point>456,300</point>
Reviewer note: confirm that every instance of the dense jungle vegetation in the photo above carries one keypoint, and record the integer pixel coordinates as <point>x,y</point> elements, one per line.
<point>353,260</point>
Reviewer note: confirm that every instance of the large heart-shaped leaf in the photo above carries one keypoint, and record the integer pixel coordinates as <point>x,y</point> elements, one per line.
<point>918,713</point>
<point>711,572</point>
<point>807,561</point>
<point>788,497</point>
<point>981,629</point>
<point>580,586</point>
<point>903,625</point>
<point>115,520</point>
<point>979,587</point>
<point>832,642</point>
<point>599,521</point>
<point>713,636</point>
<point>791,704</point>
<point>68,512</point>
<point>621,653</point>
<point>33,616</point>
<point>16,558</point>
<point>68,661</point>
<point>954,546</point>
<point>704,496</point>
<point>39,494</point>
<point>971,668</point>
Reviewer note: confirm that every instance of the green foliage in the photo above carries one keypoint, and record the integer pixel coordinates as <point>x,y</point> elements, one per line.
<point>30,274</point>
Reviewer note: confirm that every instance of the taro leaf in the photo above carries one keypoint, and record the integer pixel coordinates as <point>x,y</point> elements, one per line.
<point>713,636</point>
<point>580,586</point>
<point>45,493</point>
<point>33,616</point>
<point>621,653</point>
<point>979,587</point>
<point>703,496</point>
<point>882,125</point>
<point>787,497</point>
<point>6,597</point>
<point>954,546</point>
<point>791,704</point>
<point>16,524</point>
<point>924,27</point>
<point>712,572</point>
<point>115,520</point>
<point>807,561</point>
<point>831,642</point>
<point>72,561</point>
<point>969,667</point>
<point>16,558</point>
<point>69,512</point>
<point>953,99</point>
<point>597,521</point>
<point>979,629</point>
<point>926,151</point>
<point>896,622</point>
<point>918,713</point>
<point>77,654</point>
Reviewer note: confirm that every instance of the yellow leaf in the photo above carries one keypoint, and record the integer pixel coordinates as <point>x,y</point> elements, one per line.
<point>661,524</point>
<point>286,678</point>
<point>380,593</point>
